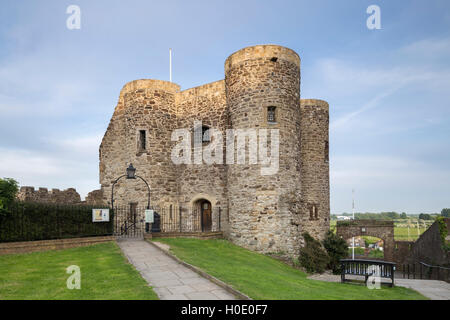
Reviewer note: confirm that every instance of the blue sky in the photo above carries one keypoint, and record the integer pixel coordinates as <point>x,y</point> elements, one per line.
<point>388,89</point>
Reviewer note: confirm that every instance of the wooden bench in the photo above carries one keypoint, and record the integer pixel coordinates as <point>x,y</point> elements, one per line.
<point>360,267</point>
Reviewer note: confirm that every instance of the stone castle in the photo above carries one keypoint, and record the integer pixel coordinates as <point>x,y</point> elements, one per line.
<point>261,90</point>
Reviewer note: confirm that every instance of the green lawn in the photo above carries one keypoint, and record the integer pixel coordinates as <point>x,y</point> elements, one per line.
<point>262,277</point>
<point>105,274</point>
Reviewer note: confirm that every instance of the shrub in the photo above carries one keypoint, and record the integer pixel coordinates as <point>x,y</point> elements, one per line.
<point>39,221</point>
<point>337,249</point>
<point>313,256</point>
<point>8,190</point>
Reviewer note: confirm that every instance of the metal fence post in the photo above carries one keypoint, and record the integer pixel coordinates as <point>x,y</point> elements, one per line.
<point>179,213</point>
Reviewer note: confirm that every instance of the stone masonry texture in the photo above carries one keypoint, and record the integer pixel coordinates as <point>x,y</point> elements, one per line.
<point>265,213</point>
<point>68,196</point>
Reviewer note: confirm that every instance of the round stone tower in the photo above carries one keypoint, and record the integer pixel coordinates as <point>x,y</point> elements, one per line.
<point>140,133</point>
<point>263,92</point>
<point>315,173</point>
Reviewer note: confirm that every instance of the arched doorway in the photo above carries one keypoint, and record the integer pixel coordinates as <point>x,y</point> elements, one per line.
<point>204,207</point>
<point>381,229</point>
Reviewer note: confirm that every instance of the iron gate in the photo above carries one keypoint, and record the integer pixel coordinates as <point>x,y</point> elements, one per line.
<point>129,221</point>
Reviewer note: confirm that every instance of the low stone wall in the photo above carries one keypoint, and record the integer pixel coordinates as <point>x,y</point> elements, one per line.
<point>402,251</point>
<point>428,248</point>
<point>44,245</point>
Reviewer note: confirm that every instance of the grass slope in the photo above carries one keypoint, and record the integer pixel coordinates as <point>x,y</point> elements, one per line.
<point>262,277</point>
<point>105,274</point>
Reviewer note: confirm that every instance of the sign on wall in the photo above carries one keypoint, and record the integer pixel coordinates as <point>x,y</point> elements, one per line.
<point>100,215</point>
<point>149,216</point>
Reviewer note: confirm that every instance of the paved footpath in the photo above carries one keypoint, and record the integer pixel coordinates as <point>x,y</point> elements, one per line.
<point>170,279</point>
<point>433,289</point>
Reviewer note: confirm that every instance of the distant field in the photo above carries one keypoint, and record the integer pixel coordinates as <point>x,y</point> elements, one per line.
<point>401,233</point>
<point>401,230</point>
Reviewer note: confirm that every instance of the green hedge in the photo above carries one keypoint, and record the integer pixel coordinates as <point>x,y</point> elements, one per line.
<point>37,221</point>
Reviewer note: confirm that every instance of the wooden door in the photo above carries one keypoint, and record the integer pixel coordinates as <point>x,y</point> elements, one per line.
<point>206,216</point>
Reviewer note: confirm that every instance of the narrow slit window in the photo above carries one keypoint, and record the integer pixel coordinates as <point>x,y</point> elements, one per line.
<point>202,134</point>
<point>271,116</point>
<point>142,139</point>
<point>327,151</point>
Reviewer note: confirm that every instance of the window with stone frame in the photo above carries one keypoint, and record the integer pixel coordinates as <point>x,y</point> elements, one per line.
<point>271,114</point>
<point>327,151</point>
<point>202,134</point>
<point>313,212</point>
<point>142,142</point>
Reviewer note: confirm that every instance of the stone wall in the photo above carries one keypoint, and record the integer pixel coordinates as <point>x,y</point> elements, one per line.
<point>428,248</point>
<point>260,217</point>
<point>147,105</point>
<point>315,173</point>
<point>267,213</point>
<point>402,251</point>
<point>42,195</point>
<point>383,229</point>
<point>205,104</point>
<point>95,197</point>
<point>45,245</point>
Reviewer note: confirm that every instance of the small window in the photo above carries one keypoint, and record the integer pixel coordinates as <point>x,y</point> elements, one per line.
<point>142,139</point>
<point>202,135</point>
<point>271,116</point>
<point>327,152</point>
<point>205,134</point>
<point>313,212</point>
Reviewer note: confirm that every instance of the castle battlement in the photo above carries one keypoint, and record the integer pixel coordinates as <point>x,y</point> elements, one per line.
<point>43,195</point>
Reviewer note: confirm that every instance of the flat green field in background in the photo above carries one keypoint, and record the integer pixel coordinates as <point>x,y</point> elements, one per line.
<point>401,231</point>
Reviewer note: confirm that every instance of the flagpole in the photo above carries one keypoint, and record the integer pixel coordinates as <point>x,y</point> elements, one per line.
<point>170,64</point>
<point>353,214</point>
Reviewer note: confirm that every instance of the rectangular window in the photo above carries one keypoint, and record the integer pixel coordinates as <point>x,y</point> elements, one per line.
<point>327,152</point>
<point>142,140</point>
<point>271,114</point>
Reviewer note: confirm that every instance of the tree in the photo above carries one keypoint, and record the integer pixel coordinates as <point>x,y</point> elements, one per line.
<point>337,249</point>
<point>403,216</point>
<point>8,191</point>
<point>425,216</point>
<point>445,212</point>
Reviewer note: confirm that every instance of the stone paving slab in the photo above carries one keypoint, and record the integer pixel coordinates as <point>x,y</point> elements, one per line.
<point>170,279</point>
<point>433,289</point>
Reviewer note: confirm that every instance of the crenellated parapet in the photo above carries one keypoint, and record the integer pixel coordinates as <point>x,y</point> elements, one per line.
<point>43,195</point>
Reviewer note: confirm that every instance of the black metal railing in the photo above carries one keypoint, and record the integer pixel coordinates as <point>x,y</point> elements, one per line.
<point>178,219</point>
<point>421,270</point>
